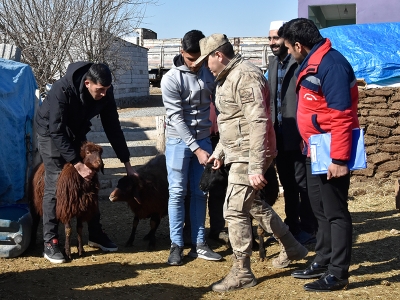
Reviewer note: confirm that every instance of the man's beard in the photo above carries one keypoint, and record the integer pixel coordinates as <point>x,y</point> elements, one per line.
<point>282,49</point>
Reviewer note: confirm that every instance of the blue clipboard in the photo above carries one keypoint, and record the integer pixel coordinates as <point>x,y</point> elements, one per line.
<point>320,150</point>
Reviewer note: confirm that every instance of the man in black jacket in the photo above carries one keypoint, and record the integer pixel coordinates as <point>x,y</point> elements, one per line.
<point>62,122</point>
<point>290,161</point>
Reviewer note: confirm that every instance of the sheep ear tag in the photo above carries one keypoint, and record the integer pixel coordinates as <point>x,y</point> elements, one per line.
<point>137,199</point>
<point>136,196</point>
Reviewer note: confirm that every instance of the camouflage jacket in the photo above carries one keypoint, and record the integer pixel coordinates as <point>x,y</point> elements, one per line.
<point>245,125</point>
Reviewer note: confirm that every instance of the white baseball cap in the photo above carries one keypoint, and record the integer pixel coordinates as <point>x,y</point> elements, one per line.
<point>275,25</point>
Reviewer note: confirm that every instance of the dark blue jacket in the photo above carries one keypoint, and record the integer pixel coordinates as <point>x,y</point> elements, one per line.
<point>65,115</point>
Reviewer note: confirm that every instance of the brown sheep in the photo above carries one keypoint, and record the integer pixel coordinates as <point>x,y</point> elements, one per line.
<point>75,196</point>
<point>146,195</point>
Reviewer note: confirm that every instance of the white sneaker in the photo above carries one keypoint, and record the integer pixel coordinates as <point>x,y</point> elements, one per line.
<point>204,251</point>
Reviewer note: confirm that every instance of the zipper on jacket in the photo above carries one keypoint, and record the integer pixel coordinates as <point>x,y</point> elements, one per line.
<point>195,117</point>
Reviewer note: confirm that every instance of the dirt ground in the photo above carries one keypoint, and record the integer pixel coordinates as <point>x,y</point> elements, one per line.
<point>135,273</point>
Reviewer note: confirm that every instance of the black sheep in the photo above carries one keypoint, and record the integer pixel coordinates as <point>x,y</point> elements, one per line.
<point>146,195</point>
<point>211,178</point>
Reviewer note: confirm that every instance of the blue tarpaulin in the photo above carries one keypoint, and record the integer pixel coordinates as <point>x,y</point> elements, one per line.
<point>373,50</point>
<point>17,104</point>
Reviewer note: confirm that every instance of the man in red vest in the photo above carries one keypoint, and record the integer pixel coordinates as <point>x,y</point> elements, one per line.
<point>327,102</point>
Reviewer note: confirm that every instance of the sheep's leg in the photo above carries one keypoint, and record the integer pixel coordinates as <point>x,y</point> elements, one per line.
<point>254,245</point>
<point>67,246</point>
<point>129,243</point>
<point>261,248</point>
<point>79,229</point>
<point>151,236</point>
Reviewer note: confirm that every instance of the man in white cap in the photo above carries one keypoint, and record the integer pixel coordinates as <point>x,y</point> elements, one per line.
<point>290,161</point>
<point>247,146</point>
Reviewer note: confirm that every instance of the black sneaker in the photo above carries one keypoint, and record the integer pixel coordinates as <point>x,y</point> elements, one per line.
<point>102,241</point>
<point>175,255</point>
<point>52,252</point>
<point>203,251</point>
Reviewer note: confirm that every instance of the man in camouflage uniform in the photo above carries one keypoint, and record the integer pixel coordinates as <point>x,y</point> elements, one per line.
<point>247,144</point>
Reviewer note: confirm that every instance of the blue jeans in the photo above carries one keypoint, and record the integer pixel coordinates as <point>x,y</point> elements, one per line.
<point>183,167</point>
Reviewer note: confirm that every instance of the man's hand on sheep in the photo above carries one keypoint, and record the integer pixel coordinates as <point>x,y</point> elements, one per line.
<point>202,156</point>
<point>217,163</point>
<point>130,171</point>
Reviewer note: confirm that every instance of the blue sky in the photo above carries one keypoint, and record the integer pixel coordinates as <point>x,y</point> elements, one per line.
<point>239,18</point>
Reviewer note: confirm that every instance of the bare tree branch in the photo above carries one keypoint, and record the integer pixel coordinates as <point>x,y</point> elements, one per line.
<point>52,33</point>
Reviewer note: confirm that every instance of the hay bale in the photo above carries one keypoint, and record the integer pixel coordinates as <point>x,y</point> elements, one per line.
<point>395,105</point>
<point>363,121</point>
<point>396,131</point>
<point>382,175</point>
<point>379,131</point>
<point>383,121</point>
<point>395,97</point>
<point>369,171</point>
<point>383,112</point>
<point>361,94</point>
<point>379,158</point>
<point>373,105</point>
<point>370,140</point>
<point>371,149</point>
<point>390,166</point>
<point>393,139</point>
<point>377,99</point>
<point>392,148</point>
<point>359,178</point>
<point>379,92</point>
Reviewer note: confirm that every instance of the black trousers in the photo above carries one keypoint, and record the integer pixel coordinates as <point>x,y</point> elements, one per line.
<point>328,200</point>
<point>53,164</point>
<point>291,166</point>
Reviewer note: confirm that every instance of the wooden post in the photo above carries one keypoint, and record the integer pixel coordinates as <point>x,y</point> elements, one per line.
<point>160,127</point>
<point>397,193</point>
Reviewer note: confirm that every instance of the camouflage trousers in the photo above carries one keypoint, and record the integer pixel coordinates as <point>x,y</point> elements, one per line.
<point>242,203</point>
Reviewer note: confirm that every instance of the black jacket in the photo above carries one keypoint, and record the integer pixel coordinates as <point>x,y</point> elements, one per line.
<point>290,133</point>
<point>65,115</point>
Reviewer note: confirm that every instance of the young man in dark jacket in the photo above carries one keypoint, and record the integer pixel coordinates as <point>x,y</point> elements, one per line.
<point>290,161</point>
<point>62,122</point>
<point>327,102</point>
